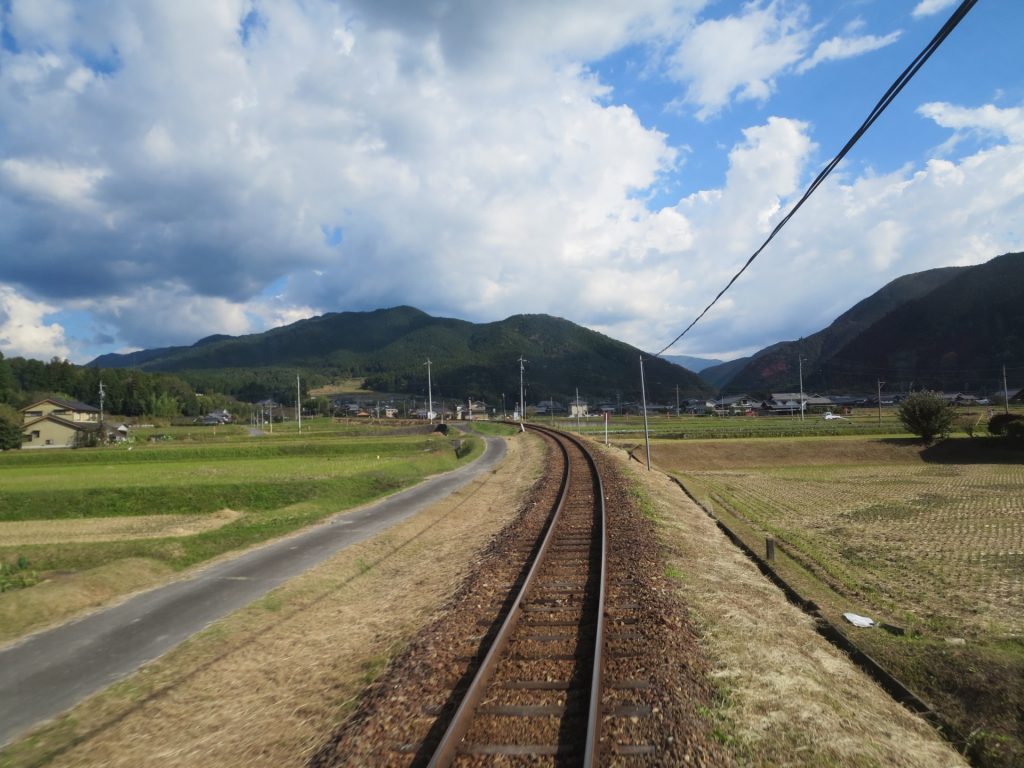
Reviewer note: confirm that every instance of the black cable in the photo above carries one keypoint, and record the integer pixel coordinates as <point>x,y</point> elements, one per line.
<point>880,107</point>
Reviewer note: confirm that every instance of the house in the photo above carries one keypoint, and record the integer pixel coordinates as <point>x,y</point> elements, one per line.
<point>959,398</point>
<point>1009,395</point>
<point>736,405</point>
<point>549,407</point>
<point>578,408</point>
<point>57,423</point>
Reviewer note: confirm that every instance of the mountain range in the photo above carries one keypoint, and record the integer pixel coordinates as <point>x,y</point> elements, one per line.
<point>389,348</point>
<point>950,328</point>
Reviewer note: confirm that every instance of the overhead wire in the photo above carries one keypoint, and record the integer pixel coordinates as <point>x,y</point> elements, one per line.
<point>894,89</point>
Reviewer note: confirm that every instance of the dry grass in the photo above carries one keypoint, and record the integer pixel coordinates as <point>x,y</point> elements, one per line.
<point>789,698</point>
<point>76,530</point>
<point>266,685</point>
<point>61,597</point>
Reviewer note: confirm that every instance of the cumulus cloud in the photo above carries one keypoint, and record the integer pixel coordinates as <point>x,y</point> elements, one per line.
<point>987,120</point>
<point>740,56</point>
<point>837,48</point>
<point>23,330</point>
<point>931,7</point>
<point>164,164</point>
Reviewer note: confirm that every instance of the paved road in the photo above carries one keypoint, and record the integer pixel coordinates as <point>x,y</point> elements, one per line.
<point>50,672</point>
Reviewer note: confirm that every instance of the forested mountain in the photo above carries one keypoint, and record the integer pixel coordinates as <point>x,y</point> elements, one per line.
<point>947,328</point>
<point>388,347</point>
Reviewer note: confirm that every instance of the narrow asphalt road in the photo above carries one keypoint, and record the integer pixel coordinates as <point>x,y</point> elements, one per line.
<point>49,672</point>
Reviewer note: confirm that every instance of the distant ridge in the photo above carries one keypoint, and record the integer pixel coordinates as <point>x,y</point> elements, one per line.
<point>388,347</point>
<point>947,328</point>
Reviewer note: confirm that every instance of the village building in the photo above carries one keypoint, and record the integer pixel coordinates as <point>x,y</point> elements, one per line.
<point>57,423</point>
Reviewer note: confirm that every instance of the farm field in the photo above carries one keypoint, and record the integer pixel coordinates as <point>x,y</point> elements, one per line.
<point>930,541</point>
<point>79,527</point>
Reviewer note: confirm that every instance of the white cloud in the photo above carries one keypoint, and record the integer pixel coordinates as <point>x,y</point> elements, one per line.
<point>987,120</point>
<point>837,48</point>
<point>448,156</point>
<point>930,7</point>
<point>740,55</point>
<point>23,330</point>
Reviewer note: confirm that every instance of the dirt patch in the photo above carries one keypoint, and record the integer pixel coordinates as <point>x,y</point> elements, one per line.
<point>787,697</point>
<point>263,686</point>
<point>80,530</point>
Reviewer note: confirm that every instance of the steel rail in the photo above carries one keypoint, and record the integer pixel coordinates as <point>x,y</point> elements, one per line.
<point>448,747</point>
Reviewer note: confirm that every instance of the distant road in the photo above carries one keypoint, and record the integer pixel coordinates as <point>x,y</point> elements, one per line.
<point>51,671</point>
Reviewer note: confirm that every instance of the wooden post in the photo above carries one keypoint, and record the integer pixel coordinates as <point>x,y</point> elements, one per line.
<point>769,548</point>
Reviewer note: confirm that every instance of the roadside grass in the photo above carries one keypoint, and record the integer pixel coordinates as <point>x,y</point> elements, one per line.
<point>935,549</point>
<point>278,488</point>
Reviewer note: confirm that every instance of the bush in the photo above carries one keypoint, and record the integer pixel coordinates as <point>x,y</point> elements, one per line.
<point>926,415</point>
<point>1004,424</point>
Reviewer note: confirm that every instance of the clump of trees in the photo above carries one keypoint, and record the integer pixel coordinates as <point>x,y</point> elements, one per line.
<point>927,415</point>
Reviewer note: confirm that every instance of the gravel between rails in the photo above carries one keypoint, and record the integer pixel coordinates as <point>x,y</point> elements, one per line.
<point>656,676</point>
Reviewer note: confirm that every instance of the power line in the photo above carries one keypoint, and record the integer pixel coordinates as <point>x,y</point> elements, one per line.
<point>875,113</point>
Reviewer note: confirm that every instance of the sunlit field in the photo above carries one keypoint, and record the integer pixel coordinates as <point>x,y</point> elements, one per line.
<point>908,537</point>
<point>67,515</point>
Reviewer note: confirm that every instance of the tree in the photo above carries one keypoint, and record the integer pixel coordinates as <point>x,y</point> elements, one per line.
<point>10,428</point>
<point>927,415</point>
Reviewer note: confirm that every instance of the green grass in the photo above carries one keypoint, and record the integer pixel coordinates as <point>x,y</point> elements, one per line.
<point>278,485</point>
<point>862,422</point>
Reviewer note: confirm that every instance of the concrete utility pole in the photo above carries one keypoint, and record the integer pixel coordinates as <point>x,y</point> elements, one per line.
<point>430,394</point>
<point>880,383</point>
<point>103,394</point>
<point>1006,392</point>
<point>577,409</point>
<point>522,401</point>
<point>298,402</point>
<point>643,396</point>
<point>801,359</point>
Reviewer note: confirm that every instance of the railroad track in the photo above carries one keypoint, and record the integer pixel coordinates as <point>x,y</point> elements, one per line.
<point>538,690</point>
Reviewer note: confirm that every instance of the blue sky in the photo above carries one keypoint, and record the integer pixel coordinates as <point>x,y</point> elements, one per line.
<point>173,170</point>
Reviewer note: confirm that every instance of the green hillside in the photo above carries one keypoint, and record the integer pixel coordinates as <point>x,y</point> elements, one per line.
<point>931,328</point>
<point>388,347</point>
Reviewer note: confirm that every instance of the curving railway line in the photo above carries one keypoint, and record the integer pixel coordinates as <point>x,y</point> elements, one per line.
<point>561,649</point>
<point>538,689</point>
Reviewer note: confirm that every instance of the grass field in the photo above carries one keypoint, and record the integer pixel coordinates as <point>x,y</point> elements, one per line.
<point>907,537</point>
<point>67,517</point>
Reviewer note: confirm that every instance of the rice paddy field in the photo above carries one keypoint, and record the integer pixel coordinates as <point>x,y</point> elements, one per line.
<point>927,541</point>
<point>78,527</point>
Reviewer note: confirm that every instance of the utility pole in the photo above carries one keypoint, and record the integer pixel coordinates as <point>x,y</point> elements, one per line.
<point>102,393</point>
<point>298,402</point>
<point>677,401</point>
<point>801,359</point>
<point>643,396</point>
<point>522,402</point>
<point>880,383</point>
<point>430,394</point>
<point>577,410</point>
<point>1006,392</point>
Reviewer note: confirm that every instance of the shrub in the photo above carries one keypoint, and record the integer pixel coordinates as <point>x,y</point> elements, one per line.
<point>1003,424</point>
<point>926,415</point>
